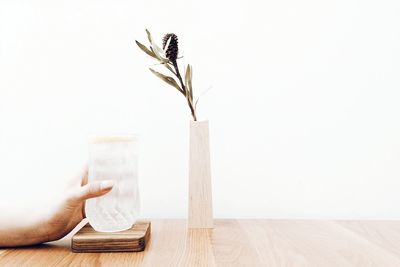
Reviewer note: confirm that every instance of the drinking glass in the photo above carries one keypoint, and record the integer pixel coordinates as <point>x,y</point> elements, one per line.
<point>114,158</point>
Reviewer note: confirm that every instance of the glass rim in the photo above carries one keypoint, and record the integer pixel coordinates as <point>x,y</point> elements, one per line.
<point>113,138</point>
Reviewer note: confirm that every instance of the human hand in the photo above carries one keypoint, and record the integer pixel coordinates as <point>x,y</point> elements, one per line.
<point>67,213</point>
<point>71,211</point>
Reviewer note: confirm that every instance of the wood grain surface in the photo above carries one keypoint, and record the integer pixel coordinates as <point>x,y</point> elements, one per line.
<point>134,239</point>
<point>237,243</point>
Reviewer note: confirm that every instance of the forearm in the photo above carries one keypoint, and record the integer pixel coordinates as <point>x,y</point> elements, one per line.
<point>35,226</point>
<point>22,236</point>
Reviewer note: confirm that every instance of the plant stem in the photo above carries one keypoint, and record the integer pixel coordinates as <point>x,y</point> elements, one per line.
<point>178,75</point>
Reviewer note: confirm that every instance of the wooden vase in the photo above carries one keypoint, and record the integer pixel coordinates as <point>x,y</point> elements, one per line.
<point>200,195</point>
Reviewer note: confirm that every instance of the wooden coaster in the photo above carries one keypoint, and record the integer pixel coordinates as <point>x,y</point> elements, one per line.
<point>134,239</point>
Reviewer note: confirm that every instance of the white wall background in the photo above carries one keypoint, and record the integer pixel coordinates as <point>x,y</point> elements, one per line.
<point>304,106</point>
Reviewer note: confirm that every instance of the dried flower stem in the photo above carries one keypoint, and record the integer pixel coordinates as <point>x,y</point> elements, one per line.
<point>189,100</point>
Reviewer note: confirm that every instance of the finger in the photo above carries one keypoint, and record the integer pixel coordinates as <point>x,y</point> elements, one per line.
<point>91,190</point>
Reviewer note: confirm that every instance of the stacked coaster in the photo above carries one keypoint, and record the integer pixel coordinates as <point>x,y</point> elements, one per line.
<point>131,240</point>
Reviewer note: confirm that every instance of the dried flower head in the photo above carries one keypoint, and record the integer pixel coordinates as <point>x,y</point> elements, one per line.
<point>170,46</point>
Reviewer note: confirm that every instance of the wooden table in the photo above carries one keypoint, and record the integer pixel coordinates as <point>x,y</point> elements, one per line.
<point>238,243</point>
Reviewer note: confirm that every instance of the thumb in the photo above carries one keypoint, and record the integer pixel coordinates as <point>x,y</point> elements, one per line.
<point>93,189</point>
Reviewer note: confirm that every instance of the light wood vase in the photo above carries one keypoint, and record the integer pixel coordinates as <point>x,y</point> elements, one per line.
<point>200,195</point>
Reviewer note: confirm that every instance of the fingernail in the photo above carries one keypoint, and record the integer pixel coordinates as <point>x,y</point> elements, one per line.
<point>106,184</point>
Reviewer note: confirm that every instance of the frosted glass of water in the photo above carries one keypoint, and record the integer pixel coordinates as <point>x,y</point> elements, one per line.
<point>114,158</point>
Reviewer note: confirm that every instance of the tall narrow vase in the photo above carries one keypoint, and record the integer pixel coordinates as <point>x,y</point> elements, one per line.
<point>200,195</point>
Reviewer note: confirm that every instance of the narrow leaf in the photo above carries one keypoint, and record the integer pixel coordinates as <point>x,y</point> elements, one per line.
<point>146,50</point>
<point>169,67</point>
<point>149,36</point>
<point>187,75</point>
<point>202,93</point>
<point>190,82</point>
<point>167,45</point>
<point>171,81</point>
